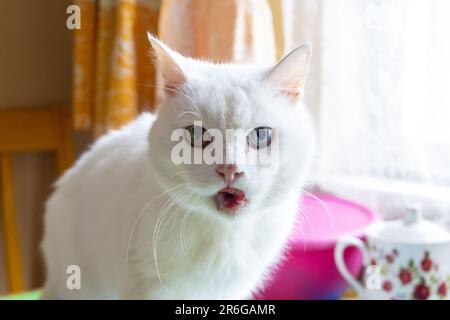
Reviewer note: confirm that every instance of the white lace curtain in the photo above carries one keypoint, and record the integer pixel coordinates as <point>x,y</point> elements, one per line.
<point>380,90</point>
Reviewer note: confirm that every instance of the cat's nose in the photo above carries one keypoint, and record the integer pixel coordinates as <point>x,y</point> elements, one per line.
<point>229,172</point>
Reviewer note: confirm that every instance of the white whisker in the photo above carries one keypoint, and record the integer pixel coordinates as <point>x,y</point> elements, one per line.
<point>136,221</point>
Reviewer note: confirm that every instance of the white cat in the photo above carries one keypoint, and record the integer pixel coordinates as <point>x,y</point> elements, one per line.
<point>140,226</point>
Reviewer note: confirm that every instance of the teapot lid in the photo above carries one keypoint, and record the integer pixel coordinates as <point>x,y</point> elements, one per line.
<point>413,228</point>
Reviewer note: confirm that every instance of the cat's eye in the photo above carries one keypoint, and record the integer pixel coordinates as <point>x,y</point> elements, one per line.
<point>197,136</point>
<point>260,137</point>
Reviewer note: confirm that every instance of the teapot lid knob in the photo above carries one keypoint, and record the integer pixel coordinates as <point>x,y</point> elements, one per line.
<point>414,215</point>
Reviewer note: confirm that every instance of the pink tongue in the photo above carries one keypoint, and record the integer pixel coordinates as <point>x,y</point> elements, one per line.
<point>232,197</point>
<point>233,194</point>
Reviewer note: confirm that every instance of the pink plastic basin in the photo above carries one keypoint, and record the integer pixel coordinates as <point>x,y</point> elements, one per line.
<point>309,272</point>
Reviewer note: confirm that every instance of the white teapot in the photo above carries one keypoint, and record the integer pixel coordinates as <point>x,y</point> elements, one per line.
<point>405,259</point>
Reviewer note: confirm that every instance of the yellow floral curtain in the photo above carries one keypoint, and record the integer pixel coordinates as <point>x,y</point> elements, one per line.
<point>114,76</point>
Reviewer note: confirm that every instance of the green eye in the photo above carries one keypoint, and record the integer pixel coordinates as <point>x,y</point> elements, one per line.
<point>197,136</point>
<point>260,137</point>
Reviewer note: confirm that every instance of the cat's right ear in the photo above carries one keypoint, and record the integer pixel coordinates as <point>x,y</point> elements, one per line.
<point>169,67</point>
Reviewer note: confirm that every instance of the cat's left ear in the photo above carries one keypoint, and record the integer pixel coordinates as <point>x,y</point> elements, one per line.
<point>289,75</point>
<point>168,63</point>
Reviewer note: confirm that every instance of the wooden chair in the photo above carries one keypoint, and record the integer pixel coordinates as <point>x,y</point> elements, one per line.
<point>27,130</point>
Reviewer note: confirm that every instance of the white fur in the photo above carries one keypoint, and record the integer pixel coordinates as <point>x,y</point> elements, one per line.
<point>105,210</point>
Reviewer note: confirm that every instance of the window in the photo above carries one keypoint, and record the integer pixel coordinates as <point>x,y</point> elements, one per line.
<point>384,100</point>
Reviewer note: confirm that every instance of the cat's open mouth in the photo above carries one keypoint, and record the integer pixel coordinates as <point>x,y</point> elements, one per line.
<point>230,200</point>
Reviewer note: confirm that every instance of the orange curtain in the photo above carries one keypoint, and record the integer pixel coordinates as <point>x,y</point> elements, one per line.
<point>240,31</point>
<point>113,73</point>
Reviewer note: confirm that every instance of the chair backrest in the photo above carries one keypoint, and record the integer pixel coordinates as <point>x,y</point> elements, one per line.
<point>27,130</point>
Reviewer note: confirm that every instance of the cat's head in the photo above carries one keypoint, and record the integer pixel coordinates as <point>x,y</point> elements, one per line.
<point>266,157</point>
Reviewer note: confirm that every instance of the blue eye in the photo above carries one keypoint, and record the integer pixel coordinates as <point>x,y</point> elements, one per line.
<point>260,137</point>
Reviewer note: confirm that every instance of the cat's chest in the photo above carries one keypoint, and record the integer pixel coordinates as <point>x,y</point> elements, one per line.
<point>226,273</point>
<point>227,265</point>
